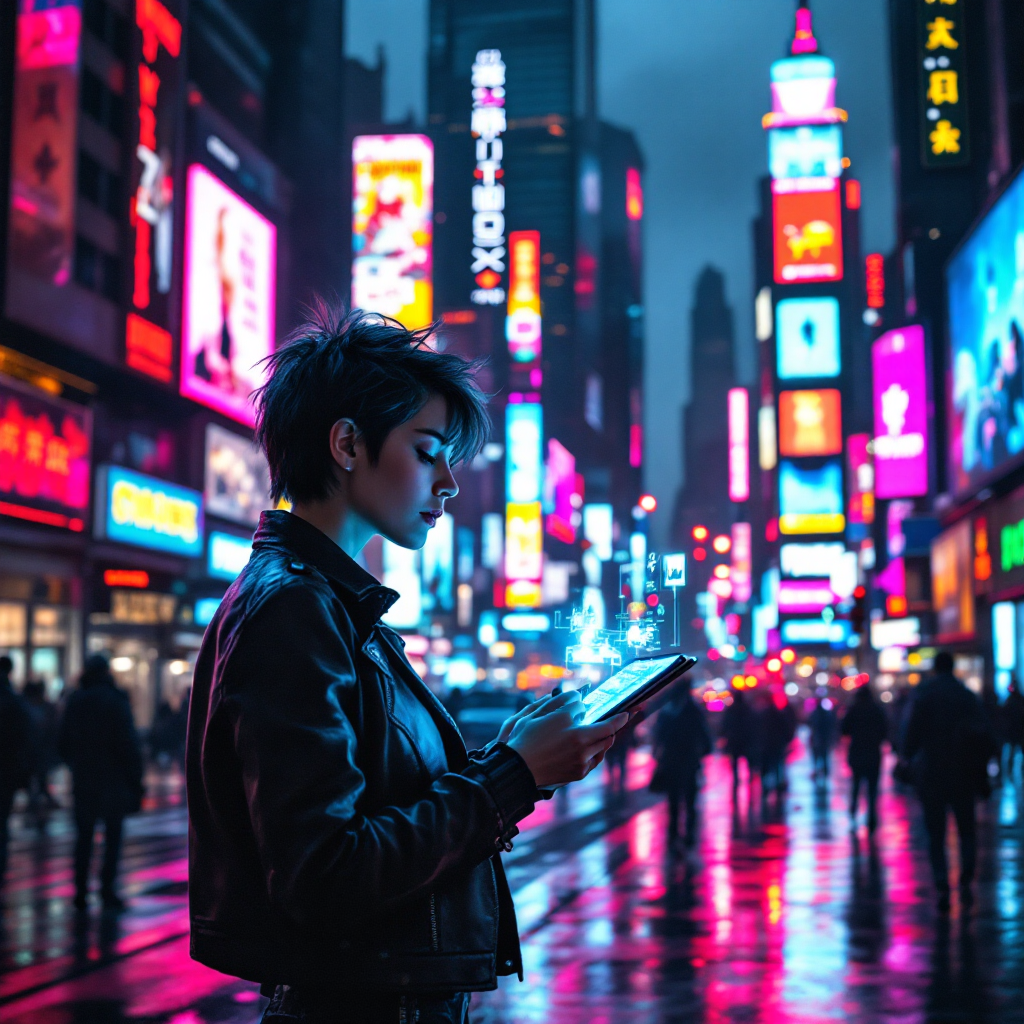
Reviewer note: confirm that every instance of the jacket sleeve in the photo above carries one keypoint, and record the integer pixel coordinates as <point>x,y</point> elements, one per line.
<point>292,675</point>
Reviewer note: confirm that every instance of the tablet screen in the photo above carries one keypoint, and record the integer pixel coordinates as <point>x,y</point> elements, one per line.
<point>625,682</point>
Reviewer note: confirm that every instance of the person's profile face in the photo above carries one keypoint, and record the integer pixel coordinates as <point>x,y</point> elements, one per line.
<point>404,494</point>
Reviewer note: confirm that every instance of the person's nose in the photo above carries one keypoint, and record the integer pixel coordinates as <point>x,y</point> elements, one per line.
<point>445,485</point>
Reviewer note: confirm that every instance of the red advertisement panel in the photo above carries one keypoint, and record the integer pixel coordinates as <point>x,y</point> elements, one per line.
<point>810,422</point>
<point>808,238</point>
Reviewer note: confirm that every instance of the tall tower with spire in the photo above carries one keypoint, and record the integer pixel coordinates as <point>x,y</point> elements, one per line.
<point>813,392</point>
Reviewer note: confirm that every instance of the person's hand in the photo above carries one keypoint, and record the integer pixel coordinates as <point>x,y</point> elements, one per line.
<point>556,749</point>
<point>539,706</point>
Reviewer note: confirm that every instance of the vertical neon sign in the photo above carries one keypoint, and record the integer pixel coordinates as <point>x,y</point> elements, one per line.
<point>148,346</point>
<point>522,325</point>
<point>739,445</point>
<point>487,125</point>
<point>524,529</point>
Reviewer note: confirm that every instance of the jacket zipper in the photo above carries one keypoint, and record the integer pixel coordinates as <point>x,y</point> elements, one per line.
<point>433,924</point>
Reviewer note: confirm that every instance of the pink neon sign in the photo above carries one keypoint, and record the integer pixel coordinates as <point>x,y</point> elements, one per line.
<point>739,445</point>
<point>805,597</point>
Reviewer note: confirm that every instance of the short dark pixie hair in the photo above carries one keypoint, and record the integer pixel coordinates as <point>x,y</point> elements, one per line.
<point>364,367</point>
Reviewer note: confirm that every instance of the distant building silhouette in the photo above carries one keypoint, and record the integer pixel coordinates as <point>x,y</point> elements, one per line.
<point>704,495</point>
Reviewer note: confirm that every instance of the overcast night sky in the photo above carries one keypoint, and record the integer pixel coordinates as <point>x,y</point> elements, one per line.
<point>690,78</point>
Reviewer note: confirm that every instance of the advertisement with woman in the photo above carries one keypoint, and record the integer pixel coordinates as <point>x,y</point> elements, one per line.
<point>985,283</point>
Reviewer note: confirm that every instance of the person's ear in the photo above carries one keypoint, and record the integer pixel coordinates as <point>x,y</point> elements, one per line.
<point>345,444</point>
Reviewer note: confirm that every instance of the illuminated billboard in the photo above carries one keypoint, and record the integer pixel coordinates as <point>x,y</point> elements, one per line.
<point>560,493</point>
<point>811,500</point>
<point>41,238</point>
<point>739,445</point>
<point>822,559</point>
<point>237,478</point>
<point>229,297</point>
<point>901,413</point>
<point>815,631</point>
<point>227,555</point>
<point>44,457</point>
<point>523,325</point>
<point>986,331</point>
<point>807,230</point>
<point>524,554</point>
<point>393,227</point>
<point>942,59</point>
<point>952,563</point>
<point>154,84</point>
<point>861,483</point>
<point>136,509</point>
<point>524,430</point>
<point>740,575</point>
<point>806,151</point>
<point>803,92</point>
<point>810,422</point>
<point>805,597</point>
<point>807,338</point>
<point>437,563</point>
<point>487,124</point>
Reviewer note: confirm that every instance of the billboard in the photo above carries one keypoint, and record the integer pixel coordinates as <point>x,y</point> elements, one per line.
<point>739,445</point>
<point>861,484</point>
<point>560,491</point>
<point>942,77</point>
<point>154,97</point>
<point>437,566</point>
<point>41,238</point>
<point>985,288</point>
<point>237,477</point>
<point>393,227</point>
<point>952,559</point>
<point>822,559</point>
<point>803,91</point>
<point>524,431</point>
<point>807,230</point>
<point>44,457</point>
<point>136,509</point>
<point>901,413</point>
<point>524,554</point>
<point>522,325</point>
<point>810,422</point>
<point>815,631</point>
<point>742,584</point>
<point>811,500</point>
<point>805,596</point>
<point>807,338</point>
<point>806,151</point>
<point>227,555</point>
<point>229,297</point>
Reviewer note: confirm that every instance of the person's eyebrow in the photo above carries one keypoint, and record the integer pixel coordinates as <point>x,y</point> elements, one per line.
<point>433,433</point>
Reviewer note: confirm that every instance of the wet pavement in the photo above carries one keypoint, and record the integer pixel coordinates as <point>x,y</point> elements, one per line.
<point>779,914</point>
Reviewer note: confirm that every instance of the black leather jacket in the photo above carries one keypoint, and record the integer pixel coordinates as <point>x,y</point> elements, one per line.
<point>339,834</point>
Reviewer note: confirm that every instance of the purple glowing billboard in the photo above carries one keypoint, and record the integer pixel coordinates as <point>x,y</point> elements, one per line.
<point>901,414</point>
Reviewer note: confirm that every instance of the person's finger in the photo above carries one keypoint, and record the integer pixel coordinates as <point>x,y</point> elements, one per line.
<point>599,730</point>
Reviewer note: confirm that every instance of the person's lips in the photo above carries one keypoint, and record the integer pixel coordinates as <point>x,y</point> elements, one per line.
<point>431,517</point>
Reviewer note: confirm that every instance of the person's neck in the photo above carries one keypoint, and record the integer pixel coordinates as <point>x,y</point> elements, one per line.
<point>337,520</point>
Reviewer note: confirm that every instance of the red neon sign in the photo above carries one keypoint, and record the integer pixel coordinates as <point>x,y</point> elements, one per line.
<point>634,194</point>
<point>137,578</point>
<point>874,279</point>
<point>44,458</point>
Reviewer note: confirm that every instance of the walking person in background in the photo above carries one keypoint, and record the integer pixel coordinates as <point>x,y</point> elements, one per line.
<point>948,741</point>
<point>44,748</point>
<point>681,741</point>
<point>617,757</point>
<point>1013,726</point>
<point>822,723</point>
<point>777,727</point>
<point>99,744</point>
<point>738,728</point>
<point>15,752</point>
<point>866,725</point>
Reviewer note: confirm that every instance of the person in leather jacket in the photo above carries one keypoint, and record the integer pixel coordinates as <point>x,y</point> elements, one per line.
<point>344,848</point>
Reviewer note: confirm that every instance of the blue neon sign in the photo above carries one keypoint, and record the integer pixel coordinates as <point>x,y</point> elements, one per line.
<point>150,513</point>
<point>227,554</point>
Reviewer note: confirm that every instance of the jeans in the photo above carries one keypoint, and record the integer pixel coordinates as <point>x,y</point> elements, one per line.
<point>287,1006</point>
<point>935,806</point>
<point>870,780</point>
<point>85,824</point>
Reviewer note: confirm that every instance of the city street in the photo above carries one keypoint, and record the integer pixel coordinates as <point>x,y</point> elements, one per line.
<point>780,917</point>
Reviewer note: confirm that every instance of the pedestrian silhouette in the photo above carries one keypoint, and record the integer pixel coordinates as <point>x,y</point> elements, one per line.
<point>1013,725</point>
<point>866,725</point>
<point>777,727</point>
<point>738,727</point>
<point>681,741</point>
<point>948,742</point>
<point>44,747</point>
<point>15,752</point>
<point>99,743</point>
<point>822,723</point>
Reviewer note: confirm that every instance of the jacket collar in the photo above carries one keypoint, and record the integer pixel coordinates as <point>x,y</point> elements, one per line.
<point>367,599</point>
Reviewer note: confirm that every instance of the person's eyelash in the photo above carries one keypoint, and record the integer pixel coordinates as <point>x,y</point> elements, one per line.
<point>426,457</point>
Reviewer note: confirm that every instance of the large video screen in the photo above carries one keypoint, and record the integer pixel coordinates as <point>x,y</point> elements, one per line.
<point>811,500</point>
<point>393,226</point>
<point>807,338</point>
<point>810,422</point>
<point>807,225</point>
<point>985,285</point>
<point>229,300</point>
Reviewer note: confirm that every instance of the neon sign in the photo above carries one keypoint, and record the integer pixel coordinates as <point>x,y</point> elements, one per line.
<point>634,194</point>
<point>807,230</point>
<point>739,445</point>
<point>523,324</point>
<point>560,493</point>
<point>901,413</point>
<point>741,562</point>
<point>810,422</point>
<point>874,279</point>
<point>487,125</point>
<point>44,457</point>
<point>227,555</point>
<point>524,528</point>
<point>148,346</point>
<point>149,513</point>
